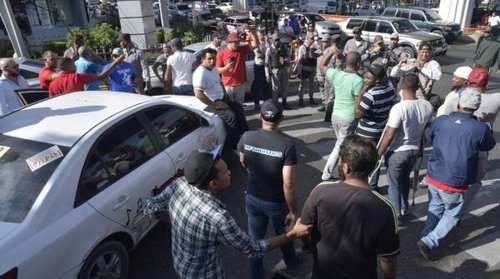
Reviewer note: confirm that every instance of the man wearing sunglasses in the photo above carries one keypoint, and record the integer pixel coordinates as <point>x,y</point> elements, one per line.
<point>200,222</point>
<point>10,81</point>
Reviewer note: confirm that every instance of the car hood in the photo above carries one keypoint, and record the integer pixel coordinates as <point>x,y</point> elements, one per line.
<point>420,35</point>
<point>6,229</point>
<point>445,22</point>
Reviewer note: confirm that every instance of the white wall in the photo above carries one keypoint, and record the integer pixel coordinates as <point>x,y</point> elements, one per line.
<point>458,11</point>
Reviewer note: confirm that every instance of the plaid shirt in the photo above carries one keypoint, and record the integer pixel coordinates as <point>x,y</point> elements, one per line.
<point>199,223</point>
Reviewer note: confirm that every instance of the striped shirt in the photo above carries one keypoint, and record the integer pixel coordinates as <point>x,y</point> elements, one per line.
<point>376,104</point>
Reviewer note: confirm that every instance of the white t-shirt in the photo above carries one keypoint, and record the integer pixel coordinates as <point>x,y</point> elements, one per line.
<point>8,98</point>
<point>409,117</point>
<point>208,81</point>
<point>494,21</point>
<point>285,31</point>
<point>181,63</point>
<point>490,104</point>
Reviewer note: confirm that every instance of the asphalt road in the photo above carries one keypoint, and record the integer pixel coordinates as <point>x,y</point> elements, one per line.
<point>477,237</point>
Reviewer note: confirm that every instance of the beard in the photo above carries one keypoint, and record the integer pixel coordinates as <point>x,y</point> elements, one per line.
<point>340,172</point>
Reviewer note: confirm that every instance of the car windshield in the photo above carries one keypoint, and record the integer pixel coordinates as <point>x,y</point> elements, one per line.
<point>315,17</point>
<point>183,7</point>
<point>25,168</point>
<point>404,26</point>
<point>432,15</point>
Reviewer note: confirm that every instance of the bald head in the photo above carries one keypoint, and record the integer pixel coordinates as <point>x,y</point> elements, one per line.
<point>9,67</point>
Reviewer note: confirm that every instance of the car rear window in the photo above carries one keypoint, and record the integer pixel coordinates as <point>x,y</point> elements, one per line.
<point>20,185</point>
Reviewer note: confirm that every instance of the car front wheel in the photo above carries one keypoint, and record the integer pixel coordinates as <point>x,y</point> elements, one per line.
<point>108,261</point>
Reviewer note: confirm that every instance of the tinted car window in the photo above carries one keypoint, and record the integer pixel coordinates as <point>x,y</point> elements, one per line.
<point>354,22</point>
<point>385,27</point>
<point>27,74</point>
<point>404,26</point>
<point>370,26</point>
<point>119,151</point>
<point>417,16</point>
<point>19,185</point>
<point>172,124</point>
<point>389,12</point>
<point>404,14</point>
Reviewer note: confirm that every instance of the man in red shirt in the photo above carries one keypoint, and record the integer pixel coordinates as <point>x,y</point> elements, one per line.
<point>70,81</point>
<point>48,73</point>
<point>231,64</point>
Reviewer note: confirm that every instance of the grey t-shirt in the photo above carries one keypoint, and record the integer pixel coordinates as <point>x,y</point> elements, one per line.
<point>409,117</point>
<point>490,104</point>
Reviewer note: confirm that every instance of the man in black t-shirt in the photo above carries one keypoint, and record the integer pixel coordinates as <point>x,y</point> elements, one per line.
<point>351,224</point>
<point>271,159</point>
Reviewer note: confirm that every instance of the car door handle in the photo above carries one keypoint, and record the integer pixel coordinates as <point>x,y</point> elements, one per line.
<point>122,201</point>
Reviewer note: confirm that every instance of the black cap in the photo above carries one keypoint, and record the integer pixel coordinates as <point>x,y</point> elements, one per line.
<point>198,167</point>
<point>271,111</point>
<point>378,71</point>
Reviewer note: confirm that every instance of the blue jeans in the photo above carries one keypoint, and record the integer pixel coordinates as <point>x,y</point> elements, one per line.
<point>259,212</point>
<point>442,216</point>
<point>185,90</point>
<point>399,166</point>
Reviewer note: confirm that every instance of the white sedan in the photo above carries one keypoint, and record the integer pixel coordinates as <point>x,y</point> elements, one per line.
<point>74,172</point>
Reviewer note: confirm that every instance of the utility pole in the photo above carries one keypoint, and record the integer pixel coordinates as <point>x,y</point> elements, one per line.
<point>165,24</point>
<point>16,39</point>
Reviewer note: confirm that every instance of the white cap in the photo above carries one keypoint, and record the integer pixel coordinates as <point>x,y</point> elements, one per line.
<point>470,98</point>
<point>463,72</point>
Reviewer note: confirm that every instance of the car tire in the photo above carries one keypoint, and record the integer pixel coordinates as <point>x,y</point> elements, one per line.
<point>116,261</point>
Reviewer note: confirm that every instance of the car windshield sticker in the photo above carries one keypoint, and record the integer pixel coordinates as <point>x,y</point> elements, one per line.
<point>43,158</point>
<point>3,150</point>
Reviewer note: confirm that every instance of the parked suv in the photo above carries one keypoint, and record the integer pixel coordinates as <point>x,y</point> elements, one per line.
<point>409,36</point>
<point>428,20</point>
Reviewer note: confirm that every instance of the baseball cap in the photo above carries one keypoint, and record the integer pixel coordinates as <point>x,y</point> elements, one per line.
<point>356,29</point>
<point>271,111</point>
<point>199,165</point>
<point>275,37</point>
<point>377,70</point>
<point>395,36</point>
<point>470,98</point>
<point>117,51</point>
<point>233,37</point>
<point>478,77</point>
<point>463,72</point>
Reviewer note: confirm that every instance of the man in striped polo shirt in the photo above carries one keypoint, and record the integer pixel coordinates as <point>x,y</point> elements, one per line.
<point>373,109</point>
<point>376,102</point>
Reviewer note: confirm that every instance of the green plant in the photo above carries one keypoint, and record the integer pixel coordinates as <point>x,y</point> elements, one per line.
<point>104,36</point>
<point>55,46</point>
<point>160,35</point>
<point>6,49</point>
<point>195,35</point>
<point>73,32</point>
<point>169,35</point>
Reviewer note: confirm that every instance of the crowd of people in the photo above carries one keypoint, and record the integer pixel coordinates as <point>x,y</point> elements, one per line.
<point>381,104</point>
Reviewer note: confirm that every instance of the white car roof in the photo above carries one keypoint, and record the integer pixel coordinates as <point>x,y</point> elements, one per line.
<point>64,119</point>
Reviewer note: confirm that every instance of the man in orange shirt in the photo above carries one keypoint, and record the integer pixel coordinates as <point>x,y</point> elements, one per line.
<point>70,81</point>
<point>48,73</point>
